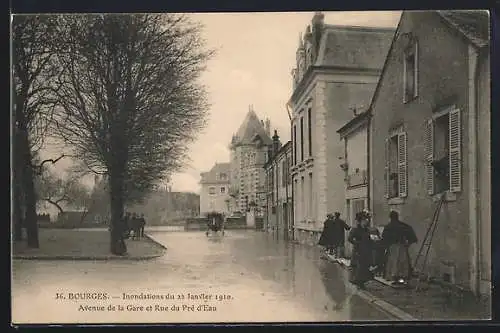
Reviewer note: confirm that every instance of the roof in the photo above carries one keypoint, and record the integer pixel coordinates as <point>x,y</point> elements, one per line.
<point>351,46</point>
<point>212,176</point>
<point>472,24</point>
<point>353,123</point>
<point>283,149</point>
<point>250,129</point>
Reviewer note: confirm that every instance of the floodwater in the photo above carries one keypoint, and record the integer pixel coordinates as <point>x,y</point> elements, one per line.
<point>244,276</point>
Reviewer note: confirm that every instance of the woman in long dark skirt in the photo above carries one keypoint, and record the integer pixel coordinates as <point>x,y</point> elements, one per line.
<point>362,255</point>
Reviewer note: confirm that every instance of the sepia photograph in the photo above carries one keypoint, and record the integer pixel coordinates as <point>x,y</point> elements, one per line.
<point>250,167</point>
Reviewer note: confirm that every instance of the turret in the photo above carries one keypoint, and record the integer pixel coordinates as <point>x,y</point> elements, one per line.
<point>276,143</point>
<point>268,127</point>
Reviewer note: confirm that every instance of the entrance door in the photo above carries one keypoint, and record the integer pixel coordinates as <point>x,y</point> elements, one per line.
<point>357,206</point>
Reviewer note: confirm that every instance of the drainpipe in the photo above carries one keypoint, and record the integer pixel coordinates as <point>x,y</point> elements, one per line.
<point>368,176</point>
<point>292,213</point>
<point>286,195</point>
<point>472,143</point>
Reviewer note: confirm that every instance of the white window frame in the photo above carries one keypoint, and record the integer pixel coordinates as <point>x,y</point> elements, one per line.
<point>454,150</point>
<point>401,163</point>
<point>414,49</point>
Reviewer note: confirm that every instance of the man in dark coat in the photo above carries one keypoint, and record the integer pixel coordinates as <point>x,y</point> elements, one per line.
<point>397,238</point>
<point>339,227</point>
<point>326,235</point>
<point>333,235</point>
<point>142,223</point>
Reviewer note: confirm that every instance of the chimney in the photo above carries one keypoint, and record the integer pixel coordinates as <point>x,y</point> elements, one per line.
<point>276,142</point>
<point>268,127</point>
<point>318,23</point>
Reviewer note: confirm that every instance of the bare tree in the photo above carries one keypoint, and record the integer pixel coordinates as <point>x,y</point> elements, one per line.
<point>61,192</point>
<point>33,91</point>
<point>131,100</point>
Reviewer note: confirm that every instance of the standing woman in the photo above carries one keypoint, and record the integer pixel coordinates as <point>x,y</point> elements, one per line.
<point>362,251</point>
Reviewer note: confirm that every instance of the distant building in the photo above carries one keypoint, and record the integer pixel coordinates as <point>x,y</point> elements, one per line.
<point>249,146</point>
<point>214,195</point>
<point>162,206</point>
<point>430,137</point>
<point>337,69</point>
<point>279,209</point>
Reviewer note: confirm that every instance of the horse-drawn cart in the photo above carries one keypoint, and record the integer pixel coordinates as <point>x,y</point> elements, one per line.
<point>215,223</point>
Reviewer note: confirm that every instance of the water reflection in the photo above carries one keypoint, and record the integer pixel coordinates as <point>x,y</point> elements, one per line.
<point>298,272</point>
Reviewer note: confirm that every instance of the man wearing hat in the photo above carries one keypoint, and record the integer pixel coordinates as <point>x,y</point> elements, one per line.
<point>333,235</point>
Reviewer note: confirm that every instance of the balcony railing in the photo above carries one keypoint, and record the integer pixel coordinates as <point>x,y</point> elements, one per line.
<point>358,178</point>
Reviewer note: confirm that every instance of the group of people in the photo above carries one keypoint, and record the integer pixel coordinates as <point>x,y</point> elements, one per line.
<point>134,225</point>
<point>371,253</point>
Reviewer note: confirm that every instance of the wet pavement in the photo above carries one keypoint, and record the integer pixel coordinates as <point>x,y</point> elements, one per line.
<point>245,276</point>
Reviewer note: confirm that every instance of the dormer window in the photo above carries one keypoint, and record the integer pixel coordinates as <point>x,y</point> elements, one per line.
<point>223,176</point>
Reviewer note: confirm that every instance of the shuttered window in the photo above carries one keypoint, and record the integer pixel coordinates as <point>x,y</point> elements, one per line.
<point>455,151</point>
<point>429,156</point>
<point>443,158</point>
<point>386,170</point>
<point>396,165</point>
<point>402,165</point>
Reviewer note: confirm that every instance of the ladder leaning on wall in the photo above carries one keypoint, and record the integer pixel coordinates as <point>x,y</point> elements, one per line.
<point>420,264</point>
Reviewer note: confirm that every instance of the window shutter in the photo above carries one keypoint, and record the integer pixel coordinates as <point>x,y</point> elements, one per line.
<point>386,169</point>
<point>429,156</point>
<point>455,158</point>
<point>402,165</point>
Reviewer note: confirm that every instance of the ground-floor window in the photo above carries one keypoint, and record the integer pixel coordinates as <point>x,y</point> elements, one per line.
<point>443,152</point>
<point>396,169</point>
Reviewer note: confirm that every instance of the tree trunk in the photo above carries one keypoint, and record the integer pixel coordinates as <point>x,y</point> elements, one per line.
<point>31,220</point>
<point>17,218</point>
<point>17,195</point>
<point>117,243</point>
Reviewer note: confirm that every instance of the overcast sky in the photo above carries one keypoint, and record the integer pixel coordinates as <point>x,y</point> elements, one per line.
<point>255,56</point>
<point>256,53</point>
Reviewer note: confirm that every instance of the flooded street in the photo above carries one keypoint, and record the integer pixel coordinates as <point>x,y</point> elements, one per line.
<point>245,276</point>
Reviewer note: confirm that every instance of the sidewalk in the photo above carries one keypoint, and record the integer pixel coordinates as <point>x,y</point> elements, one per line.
<point>431,302</point>
<point>82,244</point>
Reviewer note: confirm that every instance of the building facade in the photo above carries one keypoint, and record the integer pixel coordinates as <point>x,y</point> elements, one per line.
<point>337,69</point>
<point>430,108</point>
<point>248,150</point>
<point>214,194</point>
<point>279,208</point>
<point>354,134</point>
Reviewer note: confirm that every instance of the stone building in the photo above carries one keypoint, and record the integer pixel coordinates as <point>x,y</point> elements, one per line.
<point>248,150</point>
<point>429,139</point>
<point>337,69</point>
<point>214,194</point>
<point>278,212</point>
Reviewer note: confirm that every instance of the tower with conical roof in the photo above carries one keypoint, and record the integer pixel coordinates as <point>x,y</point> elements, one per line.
<point>248,154</point>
